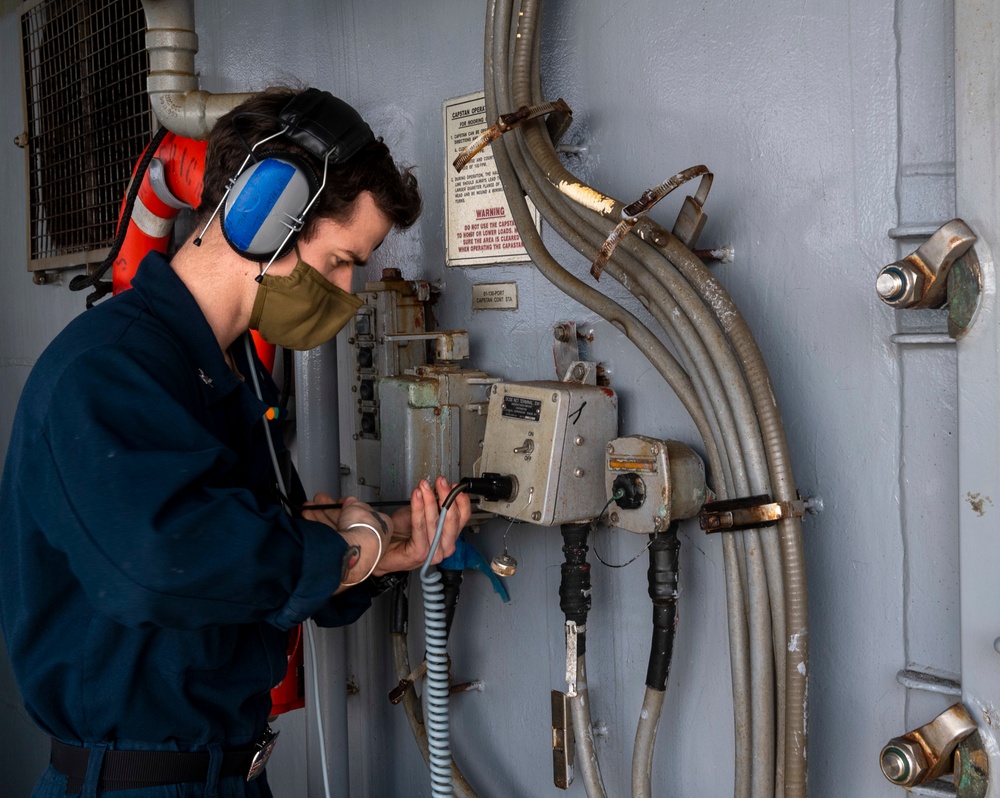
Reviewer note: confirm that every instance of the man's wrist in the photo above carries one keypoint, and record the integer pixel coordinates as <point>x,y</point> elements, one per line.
<point>365,548</point>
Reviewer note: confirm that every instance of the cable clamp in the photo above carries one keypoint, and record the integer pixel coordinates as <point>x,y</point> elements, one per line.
<point>572,631</point>
<point>747,513</point>
<point>633,212</point>
<point>508,122</point>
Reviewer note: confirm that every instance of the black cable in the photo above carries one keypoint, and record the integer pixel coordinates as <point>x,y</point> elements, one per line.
<point>451,579</point>
<point>287,367</point>
<point>662,575</point>
<point>82,281</point>
<point>574,587</point>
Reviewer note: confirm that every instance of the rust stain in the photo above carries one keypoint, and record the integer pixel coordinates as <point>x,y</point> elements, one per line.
<point>978,502</point>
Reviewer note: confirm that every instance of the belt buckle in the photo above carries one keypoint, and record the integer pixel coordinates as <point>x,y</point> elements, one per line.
<point>264,748</point>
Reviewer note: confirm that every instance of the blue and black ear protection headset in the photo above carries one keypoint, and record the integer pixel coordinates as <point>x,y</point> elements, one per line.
<point>266,202</point>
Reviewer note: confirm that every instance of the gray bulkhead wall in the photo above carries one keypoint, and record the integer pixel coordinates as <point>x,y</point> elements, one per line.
<point>809,115</point>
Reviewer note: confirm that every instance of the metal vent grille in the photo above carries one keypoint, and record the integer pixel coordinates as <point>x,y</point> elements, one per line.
<point>87,120</point>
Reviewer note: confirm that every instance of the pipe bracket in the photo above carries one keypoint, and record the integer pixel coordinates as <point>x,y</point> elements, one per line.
<point>751,512</point>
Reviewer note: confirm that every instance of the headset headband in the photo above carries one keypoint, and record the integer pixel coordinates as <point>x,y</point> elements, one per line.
<point>325,126</point>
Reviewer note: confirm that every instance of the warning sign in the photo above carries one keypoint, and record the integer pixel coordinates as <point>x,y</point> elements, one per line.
<point>479,229</point>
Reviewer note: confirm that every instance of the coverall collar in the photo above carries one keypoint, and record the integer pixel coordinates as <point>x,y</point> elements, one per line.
<point>169,300</point>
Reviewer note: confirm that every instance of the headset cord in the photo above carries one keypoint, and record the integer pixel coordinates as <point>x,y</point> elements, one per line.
<point>310,637</point>
<point>82,281</point>
<point>436,642</point>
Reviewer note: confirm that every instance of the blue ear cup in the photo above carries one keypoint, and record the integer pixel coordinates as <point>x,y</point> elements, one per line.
<point>266,201</point>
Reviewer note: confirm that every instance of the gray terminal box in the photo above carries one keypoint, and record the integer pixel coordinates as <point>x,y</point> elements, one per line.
<point>551,437</point>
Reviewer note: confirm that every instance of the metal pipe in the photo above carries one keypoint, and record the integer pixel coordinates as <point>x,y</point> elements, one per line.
<point>172,85</point>
<point>318,439</point>
<point>645,739</point>
<point>583,729</point>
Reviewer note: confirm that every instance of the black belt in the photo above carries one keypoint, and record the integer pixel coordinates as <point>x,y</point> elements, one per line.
<point>129,770</point>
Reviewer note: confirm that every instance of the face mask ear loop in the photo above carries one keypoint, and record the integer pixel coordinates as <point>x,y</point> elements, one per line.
<point>296,224</point>
<point>232,182</point>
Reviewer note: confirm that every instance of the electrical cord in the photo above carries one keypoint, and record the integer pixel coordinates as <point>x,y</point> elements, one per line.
<point>436,645</point>
<point>492,487</point>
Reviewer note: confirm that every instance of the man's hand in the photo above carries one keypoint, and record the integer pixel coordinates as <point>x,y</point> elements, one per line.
<point>363,545</point>
<point>414,527</point>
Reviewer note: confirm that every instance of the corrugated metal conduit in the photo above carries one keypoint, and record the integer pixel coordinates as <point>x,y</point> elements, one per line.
<point>721,380</point>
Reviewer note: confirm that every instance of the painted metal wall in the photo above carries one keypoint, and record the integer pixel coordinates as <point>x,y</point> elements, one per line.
<point>826,124</point>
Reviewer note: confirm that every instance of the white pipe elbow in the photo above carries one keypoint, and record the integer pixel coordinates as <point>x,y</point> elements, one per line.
<point>171,43</point>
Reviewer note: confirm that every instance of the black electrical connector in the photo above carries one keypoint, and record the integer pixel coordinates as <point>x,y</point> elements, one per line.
<point>662,575</point>
<point>630,490</point>
<point>492,487</point>
<point>574,587</point>
<point>451,578</point>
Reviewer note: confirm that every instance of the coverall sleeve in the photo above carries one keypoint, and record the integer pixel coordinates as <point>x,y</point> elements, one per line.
<point>152,511</point>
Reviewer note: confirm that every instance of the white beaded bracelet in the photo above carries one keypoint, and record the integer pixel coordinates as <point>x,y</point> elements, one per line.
<point>378,556</point>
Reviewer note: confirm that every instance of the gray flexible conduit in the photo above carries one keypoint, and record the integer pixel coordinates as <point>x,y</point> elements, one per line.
<point>766,598</point>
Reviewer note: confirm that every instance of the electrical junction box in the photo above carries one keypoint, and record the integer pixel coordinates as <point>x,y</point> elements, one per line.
<point>433,422</point>
<point>551,437</point>
<point>650,483</point>
<point>385,342</point>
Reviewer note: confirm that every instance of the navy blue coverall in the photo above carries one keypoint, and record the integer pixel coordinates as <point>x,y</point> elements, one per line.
<point>148,575</point>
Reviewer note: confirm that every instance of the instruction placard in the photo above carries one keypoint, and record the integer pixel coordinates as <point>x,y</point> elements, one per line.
<point>479,229</point>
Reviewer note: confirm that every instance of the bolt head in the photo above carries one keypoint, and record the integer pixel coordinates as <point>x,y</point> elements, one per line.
<point>889,284</point>
<point>903,762</point>
<point>894,765</point>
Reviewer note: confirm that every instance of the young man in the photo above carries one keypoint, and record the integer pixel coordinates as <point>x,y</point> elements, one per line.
<point>152,557</point>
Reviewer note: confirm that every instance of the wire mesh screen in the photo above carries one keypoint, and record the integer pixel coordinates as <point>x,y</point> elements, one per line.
<point>87,121</point>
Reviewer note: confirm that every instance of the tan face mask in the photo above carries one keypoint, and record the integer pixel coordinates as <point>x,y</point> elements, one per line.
<point>302,310</point>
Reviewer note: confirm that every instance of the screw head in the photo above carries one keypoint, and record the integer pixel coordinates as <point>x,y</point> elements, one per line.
<point>614,518</point>
<point>578,440</point>
<point>610,449</point>
<point>536,516</point>
<point>578,473</point>
<point>555,397</point>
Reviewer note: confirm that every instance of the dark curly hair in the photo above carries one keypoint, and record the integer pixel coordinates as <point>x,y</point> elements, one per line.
<point>371,169</point>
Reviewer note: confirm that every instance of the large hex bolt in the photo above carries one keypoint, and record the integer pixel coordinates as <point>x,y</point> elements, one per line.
<point>920,279</point>
<point>903,762</point>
